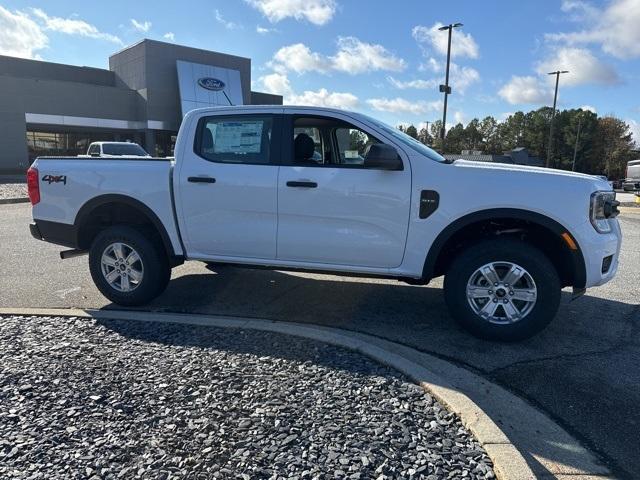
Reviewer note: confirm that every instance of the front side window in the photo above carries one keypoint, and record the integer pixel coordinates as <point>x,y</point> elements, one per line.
<point>352,145</point>
<point>94,150</point>
<point>325,141</point>
<point>245,139</point>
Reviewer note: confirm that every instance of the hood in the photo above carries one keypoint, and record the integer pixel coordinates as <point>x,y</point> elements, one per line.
<point>524,170</point>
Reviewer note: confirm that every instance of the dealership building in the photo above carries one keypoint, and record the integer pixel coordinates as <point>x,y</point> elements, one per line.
<point>55,109</point>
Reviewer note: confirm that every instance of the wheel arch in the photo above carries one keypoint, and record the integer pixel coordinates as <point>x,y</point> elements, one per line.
<point>110,209</point>
<point>550,230</point>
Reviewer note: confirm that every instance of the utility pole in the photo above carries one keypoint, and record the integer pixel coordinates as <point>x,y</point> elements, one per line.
<point>446,89</point>
<point>553,115</point>
<point>575,149</point>
<point>426,129</point>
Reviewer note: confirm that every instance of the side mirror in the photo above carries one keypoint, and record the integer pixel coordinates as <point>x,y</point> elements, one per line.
<point>382,157</point>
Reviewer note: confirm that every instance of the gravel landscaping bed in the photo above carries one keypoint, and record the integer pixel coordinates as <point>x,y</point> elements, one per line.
<point>13,190</point>
<point>82,398</point>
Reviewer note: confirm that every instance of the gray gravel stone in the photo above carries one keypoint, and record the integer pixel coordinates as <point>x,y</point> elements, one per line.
<point>13,190</point>
<point>112,399</point>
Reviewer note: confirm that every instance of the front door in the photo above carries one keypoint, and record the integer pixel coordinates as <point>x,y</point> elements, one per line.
<point>331,210</point>
<point>227,188</point>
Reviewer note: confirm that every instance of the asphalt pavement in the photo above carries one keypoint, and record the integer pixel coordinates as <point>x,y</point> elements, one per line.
<point>582,370</point>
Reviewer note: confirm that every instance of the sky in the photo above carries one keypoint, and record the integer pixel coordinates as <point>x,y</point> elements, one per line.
<point>385,59</point>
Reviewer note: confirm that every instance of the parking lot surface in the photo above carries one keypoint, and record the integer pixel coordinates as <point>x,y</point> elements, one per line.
<point>582,370</point>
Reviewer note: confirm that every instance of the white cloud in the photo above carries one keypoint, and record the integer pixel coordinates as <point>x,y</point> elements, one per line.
<point>263,30</point>
<point>463,44</point>
<point>402,105</point>
<point>589,108</point>
<point>226,23</point>
<point>20,36</point>
<point>73,26</point>
<point>170,36</point>
<point>317,12</point>
<point>583,66</point>
<point>353,56</point>
<point>460,78</point>
<point>279,84</point>
<point>276,83</point>
<point>324,98</point>
<point>526,89</point>
<point>419,83</point>
<point>300,59</point>
<point>614,27</point>
<point>141,26</point>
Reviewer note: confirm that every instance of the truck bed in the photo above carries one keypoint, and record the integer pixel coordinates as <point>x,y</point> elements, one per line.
<point>68,183</point>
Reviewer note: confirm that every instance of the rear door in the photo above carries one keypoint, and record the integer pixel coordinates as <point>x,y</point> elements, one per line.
<point>333,210</point>
<point>226,191</point>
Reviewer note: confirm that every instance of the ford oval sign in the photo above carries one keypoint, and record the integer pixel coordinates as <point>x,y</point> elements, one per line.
<point>211,84</point>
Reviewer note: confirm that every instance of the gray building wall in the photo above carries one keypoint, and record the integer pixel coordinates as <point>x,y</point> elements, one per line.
<point>140,85</point>
<point>149,67</point>
<point>28,86</point>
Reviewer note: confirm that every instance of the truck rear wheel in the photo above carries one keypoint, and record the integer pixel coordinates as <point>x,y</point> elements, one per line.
<point>127,267</point>
<point>502,289</point>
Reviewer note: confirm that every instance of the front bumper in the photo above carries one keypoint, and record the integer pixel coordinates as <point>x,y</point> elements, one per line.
<point>596,247</point>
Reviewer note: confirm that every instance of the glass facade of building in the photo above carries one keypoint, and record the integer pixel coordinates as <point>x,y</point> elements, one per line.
<point>47,143</point>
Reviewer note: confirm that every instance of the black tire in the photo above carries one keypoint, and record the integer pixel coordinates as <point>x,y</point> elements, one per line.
<point>540,269</point>
<point>156,273</point>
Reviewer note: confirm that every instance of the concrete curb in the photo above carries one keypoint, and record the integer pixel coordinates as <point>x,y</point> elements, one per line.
<point>5,201</point>
<point>505,425</point>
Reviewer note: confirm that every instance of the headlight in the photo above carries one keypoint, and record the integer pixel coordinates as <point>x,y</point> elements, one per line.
<point>603,207</point>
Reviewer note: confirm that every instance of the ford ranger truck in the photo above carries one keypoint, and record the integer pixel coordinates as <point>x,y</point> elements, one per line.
<point>323,190</point>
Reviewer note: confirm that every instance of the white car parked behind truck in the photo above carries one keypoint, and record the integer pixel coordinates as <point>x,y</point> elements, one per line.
<point>315,189</point>
<point>116,149</point>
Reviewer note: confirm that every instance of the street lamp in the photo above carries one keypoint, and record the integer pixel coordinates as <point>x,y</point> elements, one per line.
<point>446,89</point>
<point>553,114</point>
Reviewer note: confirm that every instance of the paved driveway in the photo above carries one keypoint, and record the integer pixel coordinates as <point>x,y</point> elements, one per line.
<point>583,370</point>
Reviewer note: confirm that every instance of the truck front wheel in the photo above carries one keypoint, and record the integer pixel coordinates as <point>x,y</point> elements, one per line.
<point>502,289</point>
<point>127,267</point>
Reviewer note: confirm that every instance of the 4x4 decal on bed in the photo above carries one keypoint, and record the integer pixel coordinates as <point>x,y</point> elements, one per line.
<point>55,179</point>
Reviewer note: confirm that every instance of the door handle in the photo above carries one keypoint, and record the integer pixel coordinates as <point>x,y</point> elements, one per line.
<point>302,184</point>
<point>201,180</point>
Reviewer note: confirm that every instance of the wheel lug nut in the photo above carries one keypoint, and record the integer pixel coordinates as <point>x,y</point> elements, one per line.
<point>490,292</point>
<point>505,301</point>
<point>495,284</point>
<point>510,293</point>
<point>495,300</point>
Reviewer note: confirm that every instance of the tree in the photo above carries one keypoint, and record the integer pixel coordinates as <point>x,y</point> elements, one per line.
<point>488,129</point>
<point>472,139</point>
<point>411,131</point>
<point>614,142</point>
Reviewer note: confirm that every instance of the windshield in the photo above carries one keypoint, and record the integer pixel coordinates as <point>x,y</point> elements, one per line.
<point>408,141</point>
<point>123,149</point>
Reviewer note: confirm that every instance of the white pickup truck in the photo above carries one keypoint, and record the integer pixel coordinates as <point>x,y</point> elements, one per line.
<point>315,189</point>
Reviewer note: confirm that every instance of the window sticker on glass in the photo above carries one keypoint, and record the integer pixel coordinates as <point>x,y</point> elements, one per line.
<point>351,154</point>
<point>238,137</point>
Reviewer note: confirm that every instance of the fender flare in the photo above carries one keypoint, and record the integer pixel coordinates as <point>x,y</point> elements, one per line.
<point>577,259</point>
<point>91,205</point>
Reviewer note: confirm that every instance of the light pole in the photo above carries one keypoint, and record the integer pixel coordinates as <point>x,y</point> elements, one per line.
<point>553,114</point>
<point>446,89</point>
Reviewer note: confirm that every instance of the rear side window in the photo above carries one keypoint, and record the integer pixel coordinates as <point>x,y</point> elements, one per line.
<point>242,139</point>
